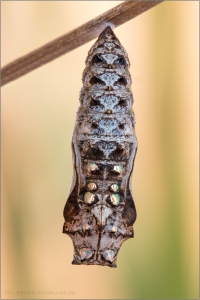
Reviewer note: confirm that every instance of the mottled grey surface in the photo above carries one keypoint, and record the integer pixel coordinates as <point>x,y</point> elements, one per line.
<point>100,211</point>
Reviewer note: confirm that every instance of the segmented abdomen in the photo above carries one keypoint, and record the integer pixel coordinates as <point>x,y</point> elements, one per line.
<point>100,211</point>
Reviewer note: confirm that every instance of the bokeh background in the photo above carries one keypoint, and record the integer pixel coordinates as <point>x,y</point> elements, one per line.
<point>38,115</point>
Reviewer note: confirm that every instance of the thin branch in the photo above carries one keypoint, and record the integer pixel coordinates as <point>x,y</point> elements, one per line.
<point>75,38</point>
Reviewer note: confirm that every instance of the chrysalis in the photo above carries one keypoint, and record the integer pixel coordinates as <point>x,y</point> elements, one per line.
<point>100,211</point>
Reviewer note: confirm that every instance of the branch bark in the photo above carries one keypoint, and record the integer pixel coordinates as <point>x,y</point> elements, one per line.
<point>75,38</point>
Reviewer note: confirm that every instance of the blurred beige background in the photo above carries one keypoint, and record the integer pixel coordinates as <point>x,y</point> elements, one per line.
<point>38,115</point>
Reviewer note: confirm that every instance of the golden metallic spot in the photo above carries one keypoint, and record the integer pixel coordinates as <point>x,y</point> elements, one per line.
<point>85,253</point>
<point>105,66</point>
<point>92,186</point>
<point>89,198</point>
<point>117,169</point>
<point>91,147</point>
<point>115,199</point>
<point>86,227</point>
<point>114,229</point>
<point>108,112</point>
<point>108,88</point>
<point>114,187</point>
<point>92,167</point>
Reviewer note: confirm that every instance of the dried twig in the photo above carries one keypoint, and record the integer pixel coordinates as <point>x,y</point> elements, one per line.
<point>75,38</point>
